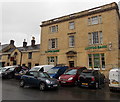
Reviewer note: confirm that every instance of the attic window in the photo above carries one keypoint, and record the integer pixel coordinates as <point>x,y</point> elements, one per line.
<point>15,53</point>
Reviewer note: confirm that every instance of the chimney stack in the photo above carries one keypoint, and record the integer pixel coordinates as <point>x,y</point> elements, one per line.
<point>24,43</point>
<point>33,41</point>
<point>12,42</point>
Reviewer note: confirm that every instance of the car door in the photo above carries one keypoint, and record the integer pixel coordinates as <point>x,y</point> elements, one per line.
<point>32,79</point>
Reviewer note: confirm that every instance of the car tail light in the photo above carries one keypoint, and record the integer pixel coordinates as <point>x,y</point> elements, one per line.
<point>93,79</point>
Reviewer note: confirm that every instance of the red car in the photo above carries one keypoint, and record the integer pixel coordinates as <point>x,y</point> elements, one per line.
<point>70,77</point>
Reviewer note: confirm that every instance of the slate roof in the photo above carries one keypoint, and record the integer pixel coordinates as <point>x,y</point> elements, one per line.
<point>36,47</point>
<point>3,46</point>
<point>10,50</point>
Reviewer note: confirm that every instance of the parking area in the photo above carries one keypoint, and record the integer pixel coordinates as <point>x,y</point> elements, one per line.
<point>12,91</point>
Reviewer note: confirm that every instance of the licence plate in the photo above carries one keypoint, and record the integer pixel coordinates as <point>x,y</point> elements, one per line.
<point>55,85</point>
<point>115,82</point>
<point>63,82</point>
<point>84,83</point>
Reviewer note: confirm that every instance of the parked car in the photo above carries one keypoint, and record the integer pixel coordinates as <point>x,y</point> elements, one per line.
<point>70,77</point>
<point>38,79</point>
<point>43,68</point>
<point>91,78</point>
<point>8,71</point>
<point>56,71</point>
<point>114,78</point>
<point>20,71</point>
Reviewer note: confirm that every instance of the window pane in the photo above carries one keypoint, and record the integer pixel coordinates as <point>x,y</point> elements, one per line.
<point>95,20</point>
<point>100,19</point>
<point>29,55</point>
<point>54,28</point>
<point>101,37</point>
<point>96,60</point>
<point>103,60</point>
<point>89,38</point>
<point>71,41</point>
<point>95,37</point>
<point>71,25</point>
<point>89,21</point>
<point>90,60</point>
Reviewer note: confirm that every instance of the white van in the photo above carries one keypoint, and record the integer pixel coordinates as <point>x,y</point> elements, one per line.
<point>44,68</point>
<point>114,78</point>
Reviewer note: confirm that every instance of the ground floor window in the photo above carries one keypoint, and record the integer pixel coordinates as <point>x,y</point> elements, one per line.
<point>96,61</point>
<point>52,60</point>
<point>29,65</point>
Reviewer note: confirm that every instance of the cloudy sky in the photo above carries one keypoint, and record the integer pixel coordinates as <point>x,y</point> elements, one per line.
<point>21,19</point>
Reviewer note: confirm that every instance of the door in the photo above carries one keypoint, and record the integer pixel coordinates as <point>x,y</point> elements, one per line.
<point>71,63</point>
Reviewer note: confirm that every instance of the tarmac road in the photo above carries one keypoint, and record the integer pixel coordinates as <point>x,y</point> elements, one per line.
<point>12,91</point>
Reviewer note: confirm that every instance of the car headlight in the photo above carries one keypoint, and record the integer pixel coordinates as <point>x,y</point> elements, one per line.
<point>47,81</point>
<point>59,78</point>
<point>70,78</point>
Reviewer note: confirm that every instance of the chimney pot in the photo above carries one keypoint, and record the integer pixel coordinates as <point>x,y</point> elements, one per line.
<point>12,42</point>
<point>24,43</point>
<point>33,41</point>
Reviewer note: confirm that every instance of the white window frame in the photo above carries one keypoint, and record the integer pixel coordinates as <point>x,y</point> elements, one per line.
<point>53,29</point>
<point>72,25</point>
<point>100,59</point>
<point>71,41</point>
<point>98,39</point>
<point>50,43</point>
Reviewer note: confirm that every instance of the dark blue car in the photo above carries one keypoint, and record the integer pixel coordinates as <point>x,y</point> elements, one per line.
<point>38,79</point>
<point>55,72</point>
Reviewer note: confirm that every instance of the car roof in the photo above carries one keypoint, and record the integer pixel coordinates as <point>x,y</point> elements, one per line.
<point>9,66</point>
<point>88,70</point>
<point>115,69</point>
<point>43,66</point>
<point>59,67</point>
<point>76,67</point>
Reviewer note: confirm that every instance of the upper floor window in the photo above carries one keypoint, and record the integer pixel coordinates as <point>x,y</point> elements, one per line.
<point>95,37</point>
<point>71,41</point>
<point>30,55</point>
<point>71,25</point>
<point>54,29</point>
<point>95,20</point>
<point>52,43</point>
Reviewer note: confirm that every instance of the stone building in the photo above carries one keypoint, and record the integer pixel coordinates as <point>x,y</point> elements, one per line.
<point>30,55</point>
<point>25,55</point>
<point>89,38</point>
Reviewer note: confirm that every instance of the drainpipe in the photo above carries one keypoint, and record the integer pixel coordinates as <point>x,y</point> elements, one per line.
<point>21,59</point>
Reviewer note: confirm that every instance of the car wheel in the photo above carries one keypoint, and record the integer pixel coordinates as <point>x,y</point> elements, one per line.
<point>9,76</point>
<point>97,85</point>
<point>76,83</point>
<point>22,83</point>
<point>42,86</point>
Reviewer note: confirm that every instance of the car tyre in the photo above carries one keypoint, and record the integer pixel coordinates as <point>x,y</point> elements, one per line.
<point>96,85</point>
<point>10,76</point>
<point>42,86</point>
<point>22,83</point>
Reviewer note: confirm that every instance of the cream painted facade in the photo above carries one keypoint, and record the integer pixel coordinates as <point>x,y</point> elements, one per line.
<point>34,60</point>
<point>79,54</point>
<point>26,55</point>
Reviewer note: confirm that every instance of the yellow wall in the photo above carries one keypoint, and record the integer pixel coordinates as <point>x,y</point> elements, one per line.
<point>109,28</point>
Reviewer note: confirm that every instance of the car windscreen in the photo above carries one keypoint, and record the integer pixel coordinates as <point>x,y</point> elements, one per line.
<point>71,72</point>
<point>87,73</point>
<point>43,75</point>
<point>4,69</point>
<point>11,69</point>
<point>52,71</point>
<point>35,69</point>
